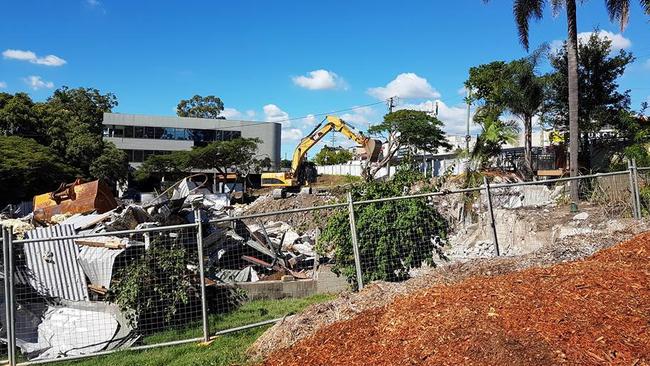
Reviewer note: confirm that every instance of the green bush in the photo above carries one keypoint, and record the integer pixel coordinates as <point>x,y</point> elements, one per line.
<point>394,237</point>
<point>156,287</point>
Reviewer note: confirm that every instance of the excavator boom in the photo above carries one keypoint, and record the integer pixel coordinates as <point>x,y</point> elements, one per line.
<point>301,172</point>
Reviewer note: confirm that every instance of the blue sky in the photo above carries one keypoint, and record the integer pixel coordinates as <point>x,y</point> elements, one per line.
<point>252,54</point>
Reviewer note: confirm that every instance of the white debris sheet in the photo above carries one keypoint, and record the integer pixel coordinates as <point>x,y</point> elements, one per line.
<point>97,263</point>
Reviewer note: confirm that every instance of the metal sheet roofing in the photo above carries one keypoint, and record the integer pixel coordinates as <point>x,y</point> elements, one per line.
<point>52,266</point>
<point>97,263</point>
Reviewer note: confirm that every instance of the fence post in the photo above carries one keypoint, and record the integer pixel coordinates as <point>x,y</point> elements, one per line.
<point>355,243</point>
<point>633,190</point>
<point>635,176</point>
<point>199,244</point>
<point>10,302</point>
<point>491,212</point>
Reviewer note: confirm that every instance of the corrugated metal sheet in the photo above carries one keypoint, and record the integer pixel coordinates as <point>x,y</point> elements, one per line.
<point>52,266</point>
<point>97,263</point>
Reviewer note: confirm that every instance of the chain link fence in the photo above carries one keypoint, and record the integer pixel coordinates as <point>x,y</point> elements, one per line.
<point>69,296</point>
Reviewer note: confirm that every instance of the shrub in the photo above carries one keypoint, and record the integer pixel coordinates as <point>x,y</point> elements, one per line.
<point>156,288</point>
<point>394,237</point>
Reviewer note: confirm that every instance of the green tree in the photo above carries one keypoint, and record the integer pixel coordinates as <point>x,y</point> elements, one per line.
<point>390,245</point>
<point>601,104</point>
<point>408,130</point>
<point>525,10</point>
<point>112,165</point>
<point>285,164</point>
<point>17,117</point>
<point>510,87</point>
<point>28,168</point>
<point>332,156</point>
<point>84,106</point>
<point>200,107</point>
<point>237,155</point>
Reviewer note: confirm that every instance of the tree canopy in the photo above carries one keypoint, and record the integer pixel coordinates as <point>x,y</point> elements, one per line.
<point>332,156</point>
<point>237,155</point>
<point>511,87</point>
<point>598,71</point>
<point>28,168</point>
<point>200,107</point>
<point>68,126</point>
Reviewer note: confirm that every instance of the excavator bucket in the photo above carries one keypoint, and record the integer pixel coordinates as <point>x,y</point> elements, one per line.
<point>76,197</point>
<point>373,149</point>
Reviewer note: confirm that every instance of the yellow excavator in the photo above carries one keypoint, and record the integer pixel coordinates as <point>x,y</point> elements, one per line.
<point>302,172</point>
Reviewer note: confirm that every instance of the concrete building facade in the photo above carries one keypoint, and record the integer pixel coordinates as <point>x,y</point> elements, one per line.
<point>140,136</point>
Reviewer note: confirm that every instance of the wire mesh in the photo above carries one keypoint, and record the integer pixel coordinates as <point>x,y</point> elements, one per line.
<point>395,238</point>
<point>81,295</point>
<point>4,354</point>
<point>252,261</point>
<point>644,191</point>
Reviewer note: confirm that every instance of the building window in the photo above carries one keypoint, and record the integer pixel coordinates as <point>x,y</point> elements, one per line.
<point>139,132</point>
<point>198,135</point>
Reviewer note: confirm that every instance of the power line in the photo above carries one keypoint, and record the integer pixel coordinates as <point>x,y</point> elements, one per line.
<point>331,112</point>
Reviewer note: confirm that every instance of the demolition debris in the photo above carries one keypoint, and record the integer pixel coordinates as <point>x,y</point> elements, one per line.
<point>75,249</point>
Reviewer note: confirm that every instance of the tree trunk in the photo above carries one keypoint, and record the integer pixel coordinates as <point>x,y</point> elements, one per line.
<point>574,136</point>
<point>528,146</point>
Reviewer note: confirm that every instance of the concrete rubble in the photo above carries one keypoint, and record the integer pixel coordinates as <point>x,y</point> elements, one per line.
<point>69,280</point>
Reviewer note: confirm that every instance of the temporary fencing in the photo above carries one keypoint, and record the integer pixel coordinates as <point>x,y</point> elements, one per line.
<point>67,296</point>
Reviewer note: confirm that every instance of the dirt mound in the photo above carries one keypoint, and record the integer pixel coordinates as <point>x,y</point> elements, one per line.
<point>302,221</point>
<point>594,311</point>
<point>377,294</point>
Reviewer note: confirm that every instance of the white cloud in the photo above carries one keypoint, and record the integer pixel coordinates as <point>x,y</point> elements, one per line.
<point>619,42</point>
<point>49,60</point>
<point>273,113</point>
<point>3,84</point>
<point>319,80</point>
<point>309,120</point>
<point>405,85</point>
<point>360,117</point>
<point>93,3</point>
<point>35,82</point>
<point>453,117</point>
<point>231,113</point>
<point>291,134</point>
<point>462,91</point>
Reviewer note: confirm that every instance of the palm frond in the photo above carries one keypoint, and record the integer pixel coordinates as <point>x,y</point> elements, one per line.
<point>556,6</point>
<point>619,10</point>
<point>524,11</point>
<point>646,6</point>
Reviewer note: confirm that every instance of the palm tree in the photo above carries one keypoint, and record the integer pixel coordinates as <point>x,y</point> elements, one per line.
<point>525,10</point>
<point>523,97</point>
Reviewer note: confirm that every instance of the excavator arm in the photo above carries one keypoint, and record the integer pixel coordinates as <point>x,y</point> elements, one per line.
<point>372,147</point>
<point>301,172</point>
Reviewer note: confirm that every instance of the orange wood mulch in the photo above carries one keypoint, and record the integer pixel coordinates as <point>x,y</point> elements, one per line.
<point>590,312</point>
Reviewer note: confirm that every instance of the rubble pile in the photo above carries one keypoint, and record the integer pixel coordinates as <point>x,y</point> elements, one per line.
<point>308,220</point>
<point>69,303</point>
<point>589,312</point>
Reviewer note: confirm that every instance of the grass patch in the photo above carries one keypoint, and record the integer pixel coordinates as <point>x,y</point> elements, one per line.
<point>225,350</point>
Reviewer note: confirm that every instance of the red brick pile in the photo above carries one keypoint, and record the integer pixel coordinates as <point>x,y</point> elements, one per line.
<point>590,312</point>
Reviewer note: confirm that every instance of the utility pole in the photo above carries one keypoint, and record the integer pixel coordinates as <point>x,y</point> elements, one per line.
<point>391,105</point>
<point>469,106</point>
